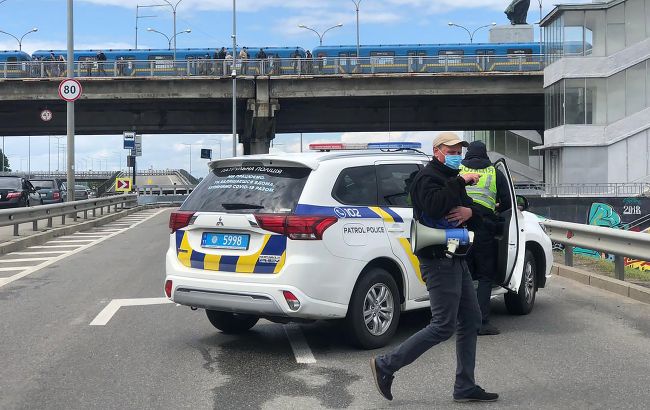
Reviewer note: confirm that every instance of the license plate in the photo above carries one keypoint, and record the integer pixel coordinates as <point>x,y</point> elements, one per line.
<point>225,241</point>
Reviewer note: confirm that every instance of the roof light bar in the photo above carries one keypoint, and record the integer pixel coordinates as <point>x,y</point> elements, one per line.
<point>338,146</point>
<point>394,145</point>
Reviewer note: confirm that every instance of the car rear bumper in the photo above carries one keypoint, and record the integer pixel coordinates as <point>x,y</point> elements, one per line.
<point>14,203</point>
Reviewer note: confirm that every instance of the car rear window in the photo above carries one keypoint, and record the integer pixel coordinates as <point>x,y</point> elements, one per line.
<point>10,183</point>
<point>249,189</point>
<point>47,184</point>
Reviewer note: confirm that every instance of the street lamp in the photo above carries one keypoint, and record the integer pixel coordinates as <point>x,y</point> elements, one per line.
<point>138,16</point>
<point>20,40</point>
<point>356,4</point>
<point>169,40</point>
<point>218,142</point>
<point>189,145</point>
<point>174,38</point>
<point>320,36</point>
<point>174,7</point>
<point>471,33</point>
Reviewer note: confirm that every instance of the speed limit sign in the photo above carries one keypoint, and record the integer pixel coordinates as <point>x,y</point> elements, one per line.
<point>70,90</point>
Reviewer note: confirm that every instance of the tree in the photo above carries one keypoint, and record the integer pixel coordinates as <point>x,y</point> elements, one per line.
<point>5,162</point>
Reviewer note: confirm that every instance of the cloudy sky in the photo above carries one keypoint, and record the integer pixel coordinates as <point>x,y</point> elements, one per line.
<point>111,24</point>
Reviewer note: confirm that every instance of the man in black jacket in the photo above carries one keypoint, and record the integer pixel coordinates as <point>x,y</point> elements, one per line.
<point>491,196</point>
<point>438,192</point>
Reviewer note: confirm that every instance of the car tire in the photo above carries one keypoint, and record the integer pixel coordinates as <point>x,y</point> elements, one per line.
<point>522,303</point>
<point>374,310</point>
<point>231,323</point>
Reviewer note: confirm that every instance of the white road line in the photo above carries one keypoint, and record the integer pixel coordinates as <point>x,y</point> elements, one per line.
<point>13,268</point>
<point>22,260</point>
<point>38,252</point>
<point>85,234</point>
<point>55,246</point>
<point>299,344</point>
<point>114,305</point>
<point>72,241</point>
<point>32,269</point>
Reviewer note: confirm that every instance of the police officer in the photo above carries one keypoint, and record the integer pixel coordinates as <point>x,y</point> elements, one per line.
<point>490,195</point>
<point>438,191</point>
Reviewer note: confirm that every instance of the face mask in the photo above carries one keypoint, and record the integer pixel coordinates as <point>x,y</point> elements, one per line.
<point>453,161</point>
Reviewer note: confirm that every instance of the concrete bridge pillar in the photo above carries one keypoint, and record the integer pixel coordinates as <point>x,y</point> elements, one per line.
<point>259,124</point>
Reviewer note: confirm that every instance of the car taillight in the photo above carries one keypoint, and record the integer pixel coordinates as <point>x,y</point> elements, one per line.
<point>12,195</point>
<point>168,288</point>
<point>297,227</point>
<point>179,219</point>
<point>56,195</point>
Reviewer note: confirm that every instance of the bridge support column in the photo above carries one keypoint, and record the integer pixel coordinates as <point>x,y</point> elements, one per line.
<point>259,124</point>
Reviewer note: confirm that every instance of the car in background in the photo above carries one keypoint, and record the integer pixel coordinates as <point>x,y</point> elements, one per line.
<point>81,192</point>
<point>16,191</point>
<point>49,189</point>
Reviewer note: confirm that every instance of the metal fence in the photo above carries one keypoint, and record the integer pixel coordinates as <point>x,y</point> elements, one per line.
<point>615,242</point>
<point>586,190</point>
<point>19,216</point>
<point>278,66</point>
<point>165,189</point>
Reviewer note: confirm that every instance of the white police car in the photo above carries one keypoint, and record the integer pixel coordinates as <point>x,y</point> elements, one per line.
<point>323,235</point>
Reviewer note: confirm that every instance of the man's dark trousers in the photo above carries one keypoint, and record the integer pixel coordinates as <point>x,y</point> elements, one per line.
<point>453,308</point>
<point>483,264</point>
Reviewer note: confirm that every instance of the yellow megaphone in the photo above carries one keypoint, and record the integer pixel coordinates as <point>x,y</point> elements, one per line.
<point>423,236</point>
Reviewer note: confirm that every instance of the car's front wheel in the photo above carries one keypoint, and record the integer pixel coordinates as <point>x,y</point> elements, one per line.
<point>522,302</point>
<point>374,310</point>
<point>231,323</point>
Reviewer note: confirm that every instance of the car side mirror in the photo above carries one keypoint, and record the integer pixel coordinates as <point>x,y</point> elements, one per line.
<point>522,203</point>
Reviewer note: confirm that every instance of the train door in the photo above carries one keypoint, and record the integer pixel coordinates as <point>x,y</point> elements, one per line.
<point>451,60</point>
<point>416,61</point>
<point>348,62</point>
<point>484,58</point>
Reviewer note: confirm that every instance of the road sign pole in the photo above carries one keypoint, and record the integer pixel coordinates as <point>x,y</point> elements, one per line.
<point>134,160</point>
<point>70,106</point>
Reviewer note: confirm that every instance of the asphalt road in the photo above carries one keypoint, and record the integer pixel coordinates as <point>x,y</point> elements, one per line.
<point>580,348</point>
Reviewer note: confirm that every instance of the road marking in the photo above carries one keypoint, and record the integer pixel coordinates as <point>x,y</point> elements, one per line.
<point>14,268</point>
<point>78,248</point>
<point>37,252</point>
<point>299,345</point>
<point>114,305</point>
<point>73,241</point>
<point>23,260</point>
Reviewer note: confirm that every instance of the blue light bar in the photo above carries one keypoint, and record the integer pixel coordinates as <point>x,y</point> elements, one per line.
<point>394,145</point>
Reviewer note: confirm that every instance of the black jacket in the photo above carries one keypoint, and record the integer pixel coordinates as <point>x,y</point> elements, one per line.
<point>435,190</point>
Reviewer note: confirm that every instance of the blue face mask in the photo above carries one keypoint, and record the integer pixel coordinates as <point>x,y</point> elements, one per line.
<point>453,161</point>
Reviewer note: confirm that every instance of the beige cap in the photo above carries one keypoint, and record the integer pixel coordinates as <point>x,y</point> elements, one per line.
<point>449,138</point>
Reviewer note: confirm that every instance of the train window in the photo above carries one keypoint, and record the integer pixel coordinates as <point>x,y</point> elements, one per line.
<point>519,51</point>
<point>12,59</point>
<point>161,60</point>
<point>323,58</point>
<point>485,52</point>
<point>382,57</point>
<point>419,53</point>
<point>450,56</point>
<point>451,52</point>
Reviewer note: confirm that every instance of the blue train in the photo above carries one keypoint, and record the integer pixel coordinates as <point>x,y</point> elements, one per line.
<point>13,64</point>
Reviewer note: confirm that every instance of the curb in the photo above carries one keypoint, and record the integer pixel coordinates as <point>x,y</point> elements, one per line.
<point>42,237</point>
<point>630,290</point>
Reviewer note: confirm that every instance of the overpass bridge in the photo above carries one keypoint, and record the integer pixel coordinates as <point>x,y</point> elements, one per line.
<point>266,104</point>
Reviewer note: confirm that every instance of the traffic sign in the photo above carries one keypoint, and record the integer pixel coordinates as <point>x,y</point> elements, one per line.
<point>123,185</point>
<point>70,89</point>
<point>137,149</point>
<point>46,115</point>
<point>206,153</point>
<point>129,140</point>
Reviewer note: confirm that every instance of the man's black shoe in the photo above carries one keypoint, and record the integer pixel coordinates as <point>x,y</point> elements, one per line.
<point>477,395</point>
<point>383,380</point>
<point>488,330</point>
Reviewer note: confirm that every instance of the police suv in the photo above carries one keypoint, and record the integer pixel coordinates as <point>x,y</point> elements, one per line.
<point>324,235</point>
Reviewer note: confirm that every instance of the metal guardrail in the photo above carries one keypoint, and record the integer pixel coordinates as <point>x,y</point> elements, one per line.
<point>61,174</point>
<point>617,242</point>
<point>580,190</point>
<point>165,189</point>
<point>273,66</point>
<point>19,216</point>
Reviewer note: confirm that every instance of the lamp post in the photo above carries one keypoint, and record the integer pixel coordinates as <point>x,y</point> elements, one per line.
<point>174,7</point>
<point>320,36</point>
<point>20,40</point>
<point>188,30</point>
<point>189,145</point>
<point>356,4</point>
<point>217,142</point>
<point>169,40</point>
<point>138,16</point>
<point>471,33</point>
<point>234,78</point>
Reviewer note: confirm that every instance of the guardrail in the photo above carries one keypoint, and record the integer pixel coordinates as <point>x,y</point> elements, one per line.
<point>616,242</point>
<point>273,66</point>
<point>165,189</point>
<point>61,174</point>
<point>587,189</point>
<point>19,216</point>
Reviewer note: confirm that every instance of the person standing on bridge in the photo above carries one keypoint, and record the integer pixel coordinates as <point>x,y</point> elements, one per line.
<point>243,57</point>
<point>220,56</point>
<point>438,193</point>
<point>101,58</point>
<point>491,195</point>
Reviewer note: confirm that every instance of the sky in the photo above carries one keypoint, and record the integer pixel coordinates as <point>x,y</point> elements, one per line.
<point>103,24</point>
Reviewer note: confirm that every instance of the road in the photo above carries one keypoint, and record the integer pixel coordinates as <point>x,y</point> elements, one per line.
<point>580,348</point>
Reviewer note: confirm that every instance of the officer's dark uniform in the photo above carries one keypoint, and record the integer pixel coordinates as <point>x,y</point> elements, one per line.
<point>491,190</point>
<point>436,190</point>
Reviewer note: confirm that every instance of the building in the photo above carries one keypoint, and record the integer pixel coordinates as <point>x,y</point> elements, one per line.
<point>597,93</point>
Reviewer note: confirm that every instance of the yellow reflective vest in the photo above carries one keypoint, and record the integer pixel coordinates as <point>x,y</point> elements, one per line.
<point>485,191</point>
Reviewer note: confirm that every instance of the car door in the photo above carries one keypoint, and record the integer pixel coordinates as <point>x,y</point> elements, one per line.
<point>510,239</point>
<point>34,197</point>
<point>393,180</point>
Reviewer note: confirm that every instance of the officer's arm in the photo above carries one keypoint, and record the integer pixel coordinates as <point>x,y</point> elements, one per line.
<point>503,193</point>
<point>434,200</point>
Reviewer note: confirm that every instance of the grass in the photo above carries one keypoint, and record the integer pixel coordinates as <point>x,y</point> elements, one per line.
<point>603,267</point>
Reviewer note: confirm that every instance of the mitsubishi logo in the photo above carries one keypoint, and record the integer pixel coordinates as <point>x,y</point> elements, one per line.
<point>219,222</point>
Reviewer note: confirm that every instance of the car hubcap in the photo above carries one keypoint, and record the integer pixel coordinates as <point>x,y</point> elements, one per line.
<point>378,309</point>
<point>529,278</point>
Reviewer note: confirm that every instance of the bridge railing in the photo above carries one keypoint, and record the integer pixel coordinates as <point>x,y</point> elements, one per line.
<point>19,216</point>
<point>165,189</point>
<point>587,189</point>
<point>272,66</point>
<point>62,174</point>
<point>612,241</point>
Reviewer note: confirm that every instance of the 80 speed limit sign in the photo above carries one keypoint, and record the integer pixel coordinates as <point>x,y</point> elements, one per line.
<point>70,90</point>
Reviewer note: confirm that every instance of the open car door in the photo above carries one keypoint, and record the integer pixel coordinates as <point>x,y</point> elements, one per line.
<point>510,239</point>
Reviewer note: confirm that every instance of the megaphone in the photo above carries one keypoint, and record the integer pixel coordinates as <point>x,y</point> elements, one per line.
<point>423,236</point>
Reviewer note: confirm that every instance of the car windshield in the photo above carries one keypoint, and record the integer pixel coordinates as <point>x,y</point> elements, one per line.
<point>44,184</point>
<point>10,183</point>
<point>249,189</point>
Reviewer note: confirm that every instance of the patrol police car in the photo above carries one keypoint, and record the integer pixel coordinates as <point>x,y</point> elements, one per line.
<point>323,235</point>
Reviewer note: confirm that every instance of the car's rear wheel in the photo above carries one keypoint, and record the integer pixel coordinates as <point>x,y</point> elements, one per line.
<point>522,302</point>
<point>374,310</point>
<point>231,323</point>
